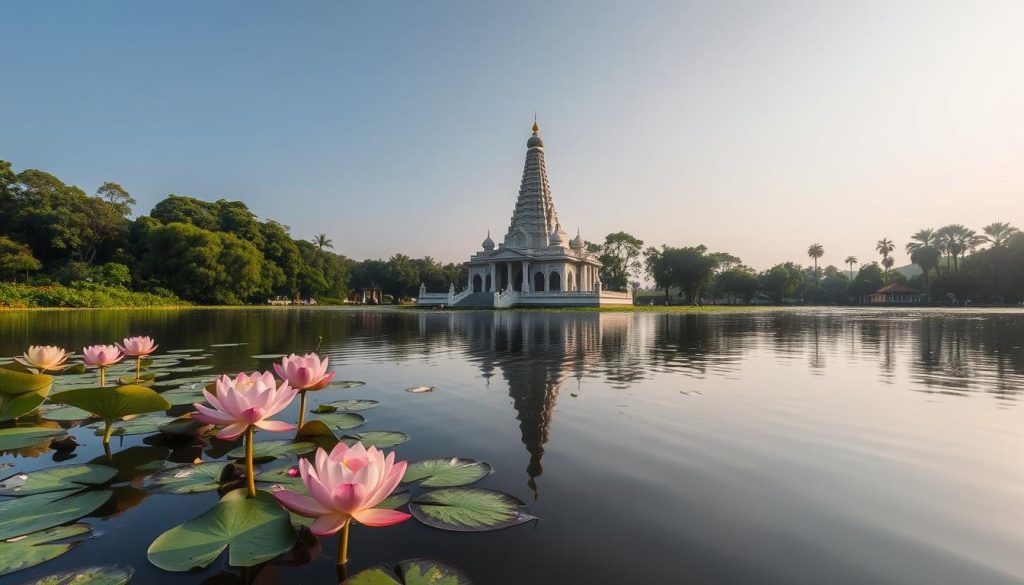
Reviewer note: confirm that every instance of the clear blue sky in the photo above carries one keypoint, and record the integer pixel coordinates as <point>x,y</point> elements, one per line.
<point>752,127</point>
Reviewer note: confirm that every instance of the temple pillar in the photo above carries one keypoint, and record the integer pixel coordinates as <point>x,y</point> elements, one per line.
<point>494,278</point>
<point>508,270</point>
<point>526,276</point>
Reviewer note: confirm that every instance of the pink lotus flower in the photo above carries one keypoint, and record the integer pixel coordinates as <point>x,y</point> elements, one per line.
<point>43,357</point>
<point>304,373</point>
<point>346,484</point>
<point>137,346</point>
<point>246,400</point>
<point>101,356</point>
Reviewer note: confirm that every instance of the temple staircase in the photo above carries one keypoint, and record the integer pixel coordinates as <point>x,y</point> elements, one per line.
<point>482,300</point>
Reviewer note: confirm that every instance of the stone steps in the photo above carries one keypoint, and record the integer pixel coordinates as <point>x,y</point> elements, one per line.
<point>476,300</point>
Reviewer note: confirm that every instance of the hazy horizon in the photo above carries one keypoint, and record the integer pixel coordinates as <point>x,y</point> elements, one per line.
<point>752,128</point>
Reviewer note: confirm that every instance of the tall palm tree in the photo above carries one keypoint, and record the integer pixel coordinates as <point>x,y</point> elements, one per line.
<point>321,241</point>
<point>998,233</point>
<point>924,252</point>
<point>850,261</point>
<point>944,242</point>
<point>887,263</point>
<point>885,247</point>
<point>815,251</point>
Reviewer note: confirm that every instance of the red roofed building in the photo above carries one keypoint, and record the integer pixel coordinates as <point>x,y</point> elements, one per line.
<point>896,294</point>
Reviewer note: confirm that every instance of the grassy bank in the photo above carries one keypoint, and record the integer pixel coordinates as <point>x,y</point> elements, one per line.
<point>84,295</point>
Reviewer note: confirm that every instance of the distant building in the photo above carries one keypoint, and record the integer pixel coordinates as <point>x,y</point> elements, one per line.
<point>367,296</point>
<point>537,264</point>
<point>896,294</point>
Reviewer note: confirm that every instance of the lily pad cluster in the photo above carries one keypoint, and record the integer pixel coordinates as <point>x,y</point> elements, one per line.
<point>41,510</point>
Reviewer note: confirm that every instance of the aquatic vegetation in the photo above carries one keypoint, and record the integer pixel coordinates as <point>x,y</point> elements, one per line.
<point>339,479</point>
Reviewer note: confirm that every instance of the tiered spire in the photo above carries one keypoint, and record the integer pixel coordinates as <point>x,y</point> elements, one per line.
<point>534,218</point>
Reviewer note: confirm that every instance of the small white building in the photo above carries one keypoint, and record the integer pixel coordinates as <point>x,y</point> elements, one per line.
<point>536,264</point>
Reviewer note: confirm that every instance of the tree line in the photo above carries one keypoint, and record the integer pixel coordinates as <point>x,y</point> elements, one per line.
<point>208,252</point>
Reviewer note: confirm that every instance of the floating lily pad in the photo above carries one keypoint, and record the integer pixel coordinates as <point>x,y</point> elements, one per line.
<point>267,356</point>
<point>254,530</point>
<point>41,511</point>
<point>378,439</point>
<point>437,473</point>
<point>66,413</point>
<point>469,510</point>
<point>142,425</point>
<point>227,344</point>
<point>21,393</point>
<point>54,479</point>
<point>346,384</point>
<point>113,403</point>
<point>184,395</point>
<point>273,449</point>
<point>106,575</point>
<point>145,379</point>
<point>346,406</point>
<point>421,389</point>
<point>135,461</point>
<point>186,479</point>
<point>27,436</point>
<point>411,572</point>
<point>38,547</point>
<point>190,350</point>
<point>280,476</point>
<point>75,369</point>
<point>342,420</point>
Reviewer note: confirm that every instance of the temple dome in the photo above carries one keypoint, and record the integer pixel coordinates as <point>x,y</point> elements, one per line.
<point>488,243</point>
<point>535,139</point>
<point>556,237</point>
<point>577,242</point>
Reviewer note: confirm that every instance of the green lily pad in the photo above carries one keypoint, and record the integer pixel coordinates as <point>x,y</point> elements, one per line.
<point>184,395</point>
<point>227,344</point>
<point>21,393</point>
<point>273,449</point>
<point>66,414</point>
<point>113,403</point>
<point>254,530</point>
<point>145,379</point>
<point>437,473</point>
<point>27,436</point>
<point>378,439</point>
<point>38,547</point>
<point>280,476</point>
<point>41,511</point>
<point>141,425</point>
<point>190,350</point>
<point>55,479</point>
<point>411,572</point>
<point>186,479</point>
<point>342,420</point>
<point>267,356</point>
<point>75,369</point>
<point>354,405</point>
<point>346,384</point>
<point>469,510</point>
<point>106,575</point>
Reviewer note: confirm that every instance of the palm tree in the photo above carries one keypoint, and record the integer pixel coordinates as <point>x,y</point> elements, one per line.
<point>815,251</point>
<point>924,252</point>
<point>998,233</point>
<point>850,261</point>
<point>885,247</point>
<point>321,241</point>
<point>944,242</point>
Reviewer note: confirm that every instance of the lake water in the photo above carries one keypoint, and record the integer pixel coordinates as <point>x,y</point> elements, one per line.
<point>781,447</point>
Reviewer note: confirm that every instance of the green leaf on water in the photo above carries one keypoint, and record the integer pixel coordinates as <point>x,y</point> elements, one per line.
<point>411,572</point>
<point>55,479</point>
<point>469,510</point>
<point>21,393</point>
<point>106,575</point>
<point>227,344</point>
<point>41,511</point>
<point>267,356</point>
<point>254,530</point>
<point>186,479</point>
<point>146,379</point>
<point>23,436</point>
<point>140,425</point>
<point>354,405</point>
<point>38,547</point>
<point>66,414</point>
<point>75,369</point>
<point>378,439</point>
<point>113,403</point>
<point>273,449</point>
<point>346,384</point>
<point>342,420</point>
<point>454,472</point>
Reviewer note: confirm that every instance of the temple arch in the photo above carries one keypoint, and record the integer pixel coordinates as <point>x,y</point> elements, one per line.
<point>538,282</point>
<point>478,283</point>
<point>556,281</point>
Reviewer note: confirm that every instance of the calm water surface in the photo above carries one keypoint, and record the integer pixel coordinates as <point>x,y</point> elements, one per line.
<point>790,447</point>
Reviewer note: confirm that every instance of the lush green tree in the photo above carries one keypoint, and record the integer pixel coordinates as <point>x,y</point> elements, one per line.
<point>182,209</point>
<point>815,251</point>
<point>117,195</point>
<point>621,263</point>
<point>885,247</point>
<point>321,241</point>
<point>689,269</point>
<point>924,252</point>
<point>781,281</point>
<point>737,282</point>
<point>869,279</point>
<point>850,261</point>
<point>16,257</point>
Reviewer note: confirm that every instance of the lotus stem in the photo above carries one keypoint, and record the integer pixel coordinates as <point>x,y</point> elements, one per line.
<point>302,408</point>
<point>343,544</point>
<point>138,368</point>
<point>106,452</point>
<point>107,432</point>
<point>250,472</point>
<point>103,376</point>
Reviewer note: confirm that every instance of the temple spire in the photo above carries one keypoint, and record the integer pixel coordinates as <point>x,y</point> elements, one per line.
<point>534,219</point>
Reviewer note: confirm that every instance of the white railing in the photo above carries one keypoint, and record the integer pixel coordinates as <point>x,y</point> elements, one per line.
<point>506,298</point>
<point>458,297</point>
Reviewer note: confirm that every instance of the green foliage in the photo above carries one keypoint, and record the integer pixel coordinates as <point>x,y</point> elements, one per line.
<point>378,439</point>
<point>113,403</point>
<point>469,510</point>
<point>411,572</point>
<point>621,255</point>
<point>23,436</point>
<point>689,269</point>
<point>34,513</point>
<point>22,393</point>
<point>254,530</point>
<point>274,449</point>
<point>105,575</point>
<point>39,547</point>
<point>186,479</point>
<point>15,258</point>
<point>81,295</point>
<point>436,473</point>
<point>55,479</point>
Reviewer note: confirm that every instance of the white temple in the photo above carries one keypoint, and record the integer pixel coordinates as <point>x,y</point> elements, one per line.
<point>536,264</point>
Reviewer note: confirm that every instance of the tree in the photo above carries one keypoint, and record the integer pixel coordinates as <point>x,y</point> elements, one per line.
<point>620,260</point>
<point>117,195</point>
<point>321,241</point>
<point>815,251</point>
<point>739,281</point>
<point>781,281</point>
<point>868,280</point>
<point>999,233</point>
<point>885,247</point>
<point>850,261</point>
<point>16,257</point>
<point>923,252</point>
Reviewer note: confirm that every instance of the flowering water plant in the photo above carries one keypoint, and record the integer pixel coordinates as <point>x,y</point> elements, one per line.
<point>304,373</point>
<point>102,357</point>
<point>137,347</point>
<point>43,358</point>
